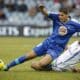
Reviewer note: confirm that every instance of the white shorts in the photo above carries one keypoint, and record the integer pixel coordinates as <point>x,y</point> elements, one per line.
<point>67,59</point>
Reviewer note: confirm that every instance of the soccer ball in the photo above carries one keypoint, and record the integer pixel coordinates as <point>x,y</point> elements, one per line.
<point>1,64</point>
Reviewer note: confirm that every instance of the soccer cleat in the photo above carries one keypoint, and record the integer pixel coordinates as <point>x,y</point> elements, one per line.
<point>5,68</point>
<point>47,68</point>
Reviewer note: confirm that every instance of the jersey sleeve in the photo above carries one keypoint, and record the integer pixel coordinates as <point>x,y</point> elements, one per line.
<point>52,16</point>
<point>77,26</point>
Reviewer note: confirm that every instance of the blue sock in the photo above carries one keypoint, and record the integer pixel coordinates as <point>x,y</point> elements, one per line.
<point>17,61</point>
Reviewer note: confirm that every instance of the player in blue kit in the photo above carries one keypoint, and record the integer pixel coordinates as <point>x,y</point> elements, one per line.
<point>54,45</point>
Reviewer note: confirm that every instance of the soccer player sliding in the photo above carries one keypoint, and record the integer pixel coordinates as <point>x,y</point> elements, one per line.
<point>54,45</point>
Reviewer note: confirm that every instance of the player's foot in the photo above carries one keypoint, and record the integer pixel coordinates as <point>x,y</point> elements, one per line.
<point>5,68</point>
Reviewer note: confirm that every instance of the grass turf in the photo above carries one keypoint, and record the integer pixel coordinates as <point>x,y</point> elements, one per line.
<point>12,47</point>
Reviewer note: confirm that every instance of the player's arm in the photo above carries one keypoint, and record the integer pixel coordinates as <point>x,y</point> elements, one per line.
<point>48,14</point>
<point>77,26</point>
<point>43,10</point>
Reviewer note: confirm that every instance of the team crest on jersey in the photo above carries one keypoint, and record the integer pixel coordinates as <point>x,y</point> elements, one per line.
<point>62,30</point>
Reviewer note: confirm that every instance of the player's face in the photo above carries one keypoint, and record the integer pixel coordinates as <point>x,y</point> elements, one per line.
<point>63,17</point>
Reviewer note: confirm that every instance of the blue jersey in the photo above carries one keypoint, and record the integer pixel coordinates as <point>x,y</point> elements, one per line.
<point>71,28</point>
<point>55,44</point>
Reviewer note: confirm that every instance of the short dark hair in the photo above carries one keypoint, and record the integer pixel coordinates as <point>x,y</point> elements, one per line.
<point>64,10</point>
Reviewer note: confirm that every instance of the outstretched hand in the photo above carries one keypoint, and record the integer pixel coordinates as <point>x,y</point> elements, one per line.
<point>41,7</point>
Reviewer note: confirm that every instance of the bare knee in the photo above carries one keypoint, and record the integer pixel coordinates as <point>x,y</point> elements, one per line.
<point>31,55</point>
<point>37,65</point>
<point>42,63</point>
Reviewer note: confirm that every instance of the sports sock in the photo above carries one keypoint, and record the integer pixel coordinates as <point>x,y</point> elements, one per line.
<point>17,61</point>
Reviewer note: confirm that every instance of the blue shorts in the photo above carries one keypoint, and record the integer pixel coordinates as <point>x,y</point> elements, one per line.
<point>45,48</point>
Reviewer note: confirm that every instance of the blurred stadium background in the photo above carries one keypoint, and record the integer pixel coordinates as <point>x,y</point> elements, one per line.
<point>22,27</point>
<point>22,17</point>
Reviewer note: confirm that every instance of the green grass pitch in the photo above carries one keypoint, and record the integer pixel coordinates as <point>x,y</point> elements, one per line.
<point>12,47</point>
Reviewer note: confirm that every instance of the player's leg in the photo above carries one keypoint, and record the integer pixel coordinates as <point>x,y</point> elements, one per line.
<point>45,62</point>
<point>20,60</point>
<point>40,65</point>
<point>39,50</point>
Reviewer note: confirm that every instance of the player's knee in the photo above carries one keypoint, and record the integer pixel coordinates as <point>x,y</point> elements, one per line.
<point>37,65</point>
<point>42,64</point>
<point>31,55</point>
<point>34,66</point>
